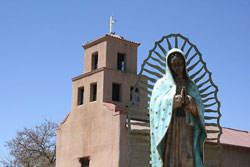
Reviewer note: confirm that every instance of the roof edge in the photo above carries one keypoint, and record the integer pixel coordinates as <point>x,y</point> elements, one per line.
<point>236,130</point>
<point>227,144</point>
<point>109,36</point>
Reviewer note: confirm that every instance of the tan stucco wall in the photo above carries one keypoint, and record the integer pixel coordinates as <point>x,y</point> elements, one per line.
<point>90,131</point>
<point>130,51</point>
<point>101,49</point>
<point>232,156</point>
<point>125,79</point>
<point>107,55</point>
<point>235,156</point>
<point>97,77</point>
<point>124,143</point>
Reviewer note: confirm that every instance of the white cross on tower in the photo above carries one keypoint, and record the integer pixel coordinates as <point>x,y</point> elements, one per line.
<point>111,22</point>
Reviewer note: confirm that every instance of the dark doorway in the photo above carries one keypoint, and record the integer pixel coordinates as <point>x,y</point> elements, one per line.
<point>84,162</point>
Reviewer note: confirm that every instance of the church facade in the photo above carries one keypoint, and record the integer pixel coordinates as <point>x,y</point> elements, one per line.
<point>94,132</point>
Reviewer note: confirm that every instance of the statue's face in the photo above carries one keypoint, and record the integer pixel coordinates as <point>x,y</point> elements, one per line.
<point>177,66</point>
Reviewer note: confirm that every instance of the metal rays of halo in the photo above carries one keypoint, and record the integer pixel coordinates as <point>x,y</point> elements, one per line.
<point>152,69</point>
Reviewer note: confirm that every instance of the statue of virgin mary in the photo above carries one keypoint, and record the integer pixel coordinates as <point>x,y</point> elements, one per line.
<point>177,126</point>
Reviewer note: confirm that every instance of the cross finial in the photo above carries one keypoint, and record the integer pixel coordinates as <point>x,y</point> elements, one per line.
<point>110,24</point>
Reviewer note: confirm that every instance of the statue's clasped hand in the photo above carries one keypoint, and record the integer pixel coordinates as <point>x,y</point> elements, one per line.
<point>183,100</point>
<point>180,101</point>
<point>177,102</point>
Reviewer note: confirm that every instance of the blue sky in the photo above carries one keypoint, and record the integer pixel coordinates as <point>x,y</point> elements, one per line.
<point>40,50</point>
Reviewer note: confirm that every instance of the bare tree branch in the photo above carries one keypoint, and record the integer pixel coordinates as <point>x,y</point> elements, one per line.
<point>32,147</point>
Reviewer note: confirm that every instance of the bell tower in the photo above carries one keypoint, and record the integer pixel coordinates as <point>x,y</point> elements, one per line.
<point>94,132</point>
<point>117,58</point>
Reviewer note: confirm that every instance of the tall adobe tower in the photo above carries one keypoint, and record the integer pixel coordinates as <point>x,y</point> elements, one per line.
<point>94,132</point>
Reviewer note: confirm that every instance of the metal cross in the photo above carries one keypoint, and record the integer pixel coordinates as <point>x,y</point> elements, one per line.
<point>110,23</point>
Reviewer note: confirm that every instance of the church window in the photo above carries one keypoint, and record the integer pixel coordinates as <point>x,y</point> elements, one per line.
<point>93,91</point>
<point>94,63</point>
<point>121,62</point>
<point>84,162</point>
<point>116,92</point>
<point>136,98</point>
<point>80,98</point>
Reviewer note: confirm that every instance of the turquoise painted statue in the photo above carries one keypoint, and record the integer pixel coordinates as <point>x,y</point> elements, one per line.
<point>177,126</point>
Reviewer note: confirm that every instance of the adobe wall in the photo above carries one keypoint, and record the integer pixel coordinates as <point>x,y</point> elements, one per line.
<point>85,82</point>
<point>125,79</point>
<point>91,131</point>
<point>235,156</point>
<point>101,49</point>
<point>130,51</point>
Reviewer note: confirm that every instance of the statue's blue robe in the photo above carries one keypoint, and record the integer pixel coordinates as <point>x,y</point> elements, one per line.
<point>161,106</point>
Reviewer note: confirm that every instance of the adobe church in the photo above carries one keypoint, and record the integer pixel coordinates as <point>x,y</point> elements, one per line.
<point>94,133</point>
